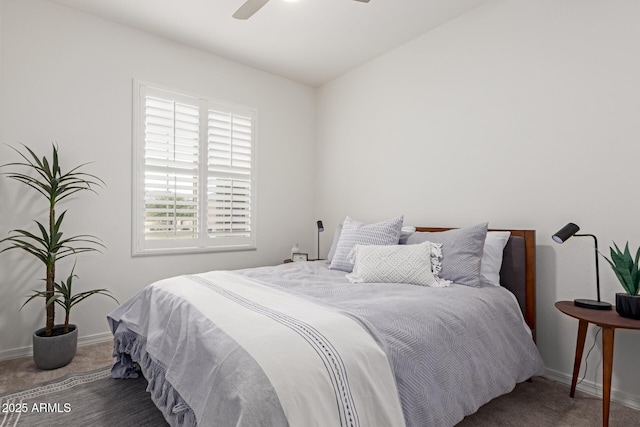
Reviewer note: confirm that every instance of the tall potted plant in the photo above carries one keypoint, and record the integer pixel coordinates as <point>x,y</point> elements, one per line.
<point>626,269</point>
<point>54,345</point>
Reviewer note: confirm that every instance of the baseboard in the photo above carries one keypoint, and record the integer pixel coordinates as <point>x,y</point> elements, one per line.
<point>82,341</point>
<point>594,389</point>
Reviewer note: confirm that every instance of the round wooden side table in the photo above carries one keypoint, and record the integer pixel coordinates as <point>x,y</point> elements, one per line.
<point>609,321</point>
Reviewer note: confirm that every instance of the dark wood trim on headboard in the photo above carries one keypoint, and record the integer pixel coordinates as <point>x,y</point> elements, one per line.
<point>530,270</point>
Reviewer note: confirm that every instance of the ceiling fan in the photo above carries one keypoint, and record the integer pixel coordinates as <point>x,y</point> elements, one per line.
<point>252,6</point>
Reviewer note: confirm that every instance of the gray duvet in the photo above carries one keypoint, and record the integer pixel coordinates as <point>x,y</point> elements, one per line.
<point>451,350</point>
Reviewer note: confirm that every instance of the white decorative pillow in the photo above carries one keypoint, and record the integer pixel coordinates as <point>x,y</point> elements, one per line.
<point>393,264</point>
<point>356,233</point>
<point>492,257</point>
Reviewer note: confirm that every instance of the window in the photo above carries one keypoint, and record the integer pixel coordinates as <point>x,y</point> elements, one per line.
<point>194,173</point>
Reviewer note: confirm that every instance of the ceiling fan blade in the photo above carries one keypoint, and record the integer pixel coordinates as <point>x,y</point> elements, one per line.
<point>363,1</point>
<point>249,8</point>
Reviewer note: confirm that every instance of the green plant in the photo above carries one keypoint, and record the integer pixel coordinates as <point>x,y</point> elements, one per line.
<point>626,268</point>
<point>48,244</point>
<point>65,298</point>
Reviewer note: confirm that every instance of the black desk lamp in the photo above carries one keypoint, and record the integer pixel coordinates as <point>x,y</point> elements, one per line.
<point>320,229</point>
<point>560,237</point>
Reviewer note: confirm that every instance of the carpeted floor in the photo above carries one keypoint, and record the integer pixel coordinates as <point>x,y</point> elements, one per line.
<point>547,403</point>
<point>87,399</point>
<point>17,374</point>
<point>93,397</point>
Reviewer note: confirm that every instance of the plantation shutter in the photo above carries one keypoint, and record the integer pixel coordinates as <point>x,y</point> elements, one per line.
<point>194,174</point>
<point>230,140</point>
<point>171,151</point>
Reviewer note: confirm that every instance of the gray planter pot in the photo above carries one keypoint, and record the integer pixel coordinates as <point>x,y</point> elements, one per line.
<point>57,350</point>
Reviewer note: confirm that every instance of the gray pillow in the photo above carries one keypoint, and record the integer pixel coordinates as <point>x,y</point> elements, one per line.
<point>461,252</point>
<point>356,233</point>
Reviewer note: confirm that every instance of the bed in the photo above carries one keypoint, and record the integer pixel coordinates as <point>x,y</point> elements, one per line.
<point>298,344</point>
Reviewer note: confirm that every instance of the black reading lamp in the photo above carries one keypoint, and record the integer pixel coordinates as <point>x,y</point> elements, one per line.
<point>560,237</point>
<point>320,229</point>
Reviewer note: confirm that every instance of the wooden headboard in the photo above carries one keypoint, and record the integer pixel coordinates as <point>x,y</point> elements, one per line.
<point>519,261</point>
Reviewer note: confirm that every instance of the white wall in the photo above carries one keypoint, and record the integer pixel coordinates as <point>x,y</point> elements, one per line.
<point>521,113</point>
<point>67,76</point>
<point>524,114</point>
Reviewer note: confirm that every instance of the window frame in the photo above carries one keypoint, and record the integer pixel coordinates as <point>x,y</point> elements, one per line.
<point>203,243</point>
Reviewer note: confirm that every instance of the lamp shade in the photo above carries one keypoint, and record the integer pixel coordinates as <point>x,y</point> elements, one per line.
<point>565,233</point>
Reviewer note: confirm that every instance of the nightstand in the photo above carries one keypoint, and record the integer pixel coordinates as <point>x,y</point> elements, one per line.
<point>609,321</point>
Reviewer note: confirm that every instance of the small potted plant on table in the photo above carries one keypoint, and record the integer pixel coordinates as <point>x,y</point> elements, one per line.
<point>626,270</point>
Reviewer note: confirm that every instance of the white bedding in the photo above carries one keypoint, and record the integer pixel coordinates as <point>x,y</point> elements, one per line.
<point>447,351</point>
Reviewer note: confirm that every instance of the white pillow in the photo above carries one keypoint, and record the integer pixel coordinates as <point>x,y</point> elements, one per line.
<point>405,232</point>
<point>393,264</point>
<point>491,262</point>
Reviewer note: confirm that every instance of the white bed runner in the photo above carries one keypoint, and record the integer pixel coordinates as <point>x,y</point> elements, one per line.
<point>325,367</point>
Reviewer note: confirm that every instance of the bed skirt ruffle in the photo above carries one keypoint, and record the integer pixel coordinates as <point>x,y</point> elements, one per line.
<point>129,349</point>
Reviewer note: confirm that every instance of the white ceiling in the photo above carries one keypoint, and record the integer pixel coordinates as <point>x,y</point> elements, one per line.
<point>310,41</point>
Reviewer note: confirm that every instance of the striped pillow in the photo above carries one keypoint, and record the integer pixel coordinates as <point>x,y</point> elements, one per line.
<point>357,233</point>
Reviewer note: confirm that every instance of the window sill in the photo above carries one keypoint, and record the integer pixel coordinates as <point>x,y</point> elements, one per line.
<point>185,251</point>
